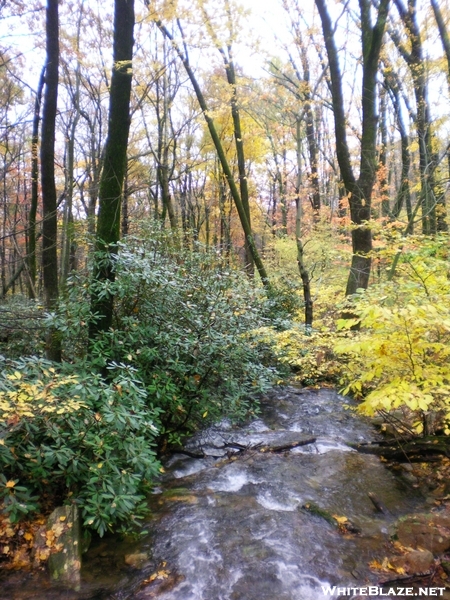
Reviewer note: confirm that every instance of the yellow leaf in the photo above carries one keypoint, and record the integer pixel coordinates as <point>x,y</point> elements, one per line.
<point>340,520</point>
<point>28,536</point>
<point>162,574</point>
<point>205,414</point>
<point>44,554</point>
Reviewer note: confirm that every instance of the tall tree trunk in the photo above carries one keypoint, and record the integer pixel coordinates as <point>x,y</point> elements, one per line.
<point>49,201</point>
<point>359,191</point>
<point>31,234</point>
<point>311,134</point>
<point>445,39</point>
<point>404,192</point>
<point>432,220</point>
<point>382,169</point>
<point>163,168</point>
<point>239,143</point>
<point>304,274</point>
<point>115,159</point>
<point>68,250</point>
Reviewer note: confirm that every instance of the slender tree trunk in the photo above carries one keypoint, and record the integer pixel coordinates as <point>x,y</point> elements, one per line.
<point>163,168</point>
<point>49,200</point>
<point>68,247</point>
<point>445,39</point>
<point>115,159</point>
<point>311,136</point>
<point>31,249</point>
<point>221,155</point>
<point>282,194</point>
<point>239,143</point>
<point>432,220</point>
<point>404,192</point>
<point>383,169</point>
<point>359,191</point>
<point>304,274</point>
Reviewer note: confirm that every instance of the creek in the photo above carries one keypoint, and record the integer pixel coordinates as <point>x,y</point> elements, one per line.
<point>233,528</point>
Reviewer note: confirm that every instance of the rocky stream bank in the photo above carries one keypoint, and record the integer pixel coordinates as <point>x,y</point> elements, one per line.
<point>232,519</point>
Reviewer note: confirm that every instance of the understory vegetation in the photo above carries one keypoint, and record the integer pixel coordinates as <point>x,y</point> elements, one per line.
<point>181,353</point>
<point>399,360</point>
<point>393,353</point>
<point>194,340</point>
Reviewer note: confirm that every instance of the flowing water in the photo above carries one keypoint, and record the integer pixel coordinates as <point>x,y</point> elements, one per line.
<point>232,527</point>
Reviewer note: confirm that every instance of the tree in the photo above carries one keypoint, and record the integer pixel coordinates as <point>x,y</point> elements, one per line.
<point>115,159</point>
<point>359,191</point>
<point>392,85</point>
<point>49,204</point>
<point>432,219</point>
<point>184,57</point>
<point>226,51</point>
<point>31,249</point>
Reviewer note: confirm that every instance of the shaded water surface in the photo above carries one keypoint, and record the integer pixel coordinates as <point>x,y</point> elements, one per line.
<point>232,527</point>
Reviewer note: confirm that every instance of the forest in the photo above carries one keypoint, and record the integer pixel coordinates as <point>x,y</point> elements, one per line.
<point>197,207</point>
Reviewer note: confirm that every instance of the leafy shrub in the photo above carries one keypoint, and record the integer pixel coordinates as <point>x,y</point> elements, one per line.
<point>400,358</point>
<point>22,327</point>
<point>308,354</point>
<point>184,322</point>
<point>76,437</point>
<point>284,302</point>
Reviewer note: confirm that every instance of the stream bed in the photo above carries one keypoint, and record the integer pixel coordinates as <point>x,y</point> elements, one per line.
<point>232,527</point>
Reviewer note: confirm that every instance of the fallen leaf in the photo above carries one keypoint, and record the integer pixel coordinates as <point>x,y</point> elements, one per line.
<point>340,520</point>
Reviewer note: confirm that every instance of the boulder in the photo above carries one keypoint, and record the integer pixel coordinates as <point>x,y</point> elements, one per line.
<point>136,560</point>
<point>64,541</point>
<point>427,531</point>
<point>414,561</point>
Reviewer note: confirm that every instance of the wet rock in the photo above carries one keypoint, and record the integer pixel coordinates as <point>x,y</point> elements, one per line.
<point>40,551</point>
<point>137,560</point>
<point>415,561</point>
<point>64,539</point>
<point>426,531</point>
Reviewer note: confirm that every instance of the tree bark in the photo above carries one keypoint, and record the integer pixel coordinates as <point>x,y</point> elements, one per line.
<point>304,274</point>
<point>382,169</point>
<point>239,143</point>
<point>404,192</point>
<point>31,233</point>
<point>49,200</point>
<point>359,191</point>
<point>114,166</point>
